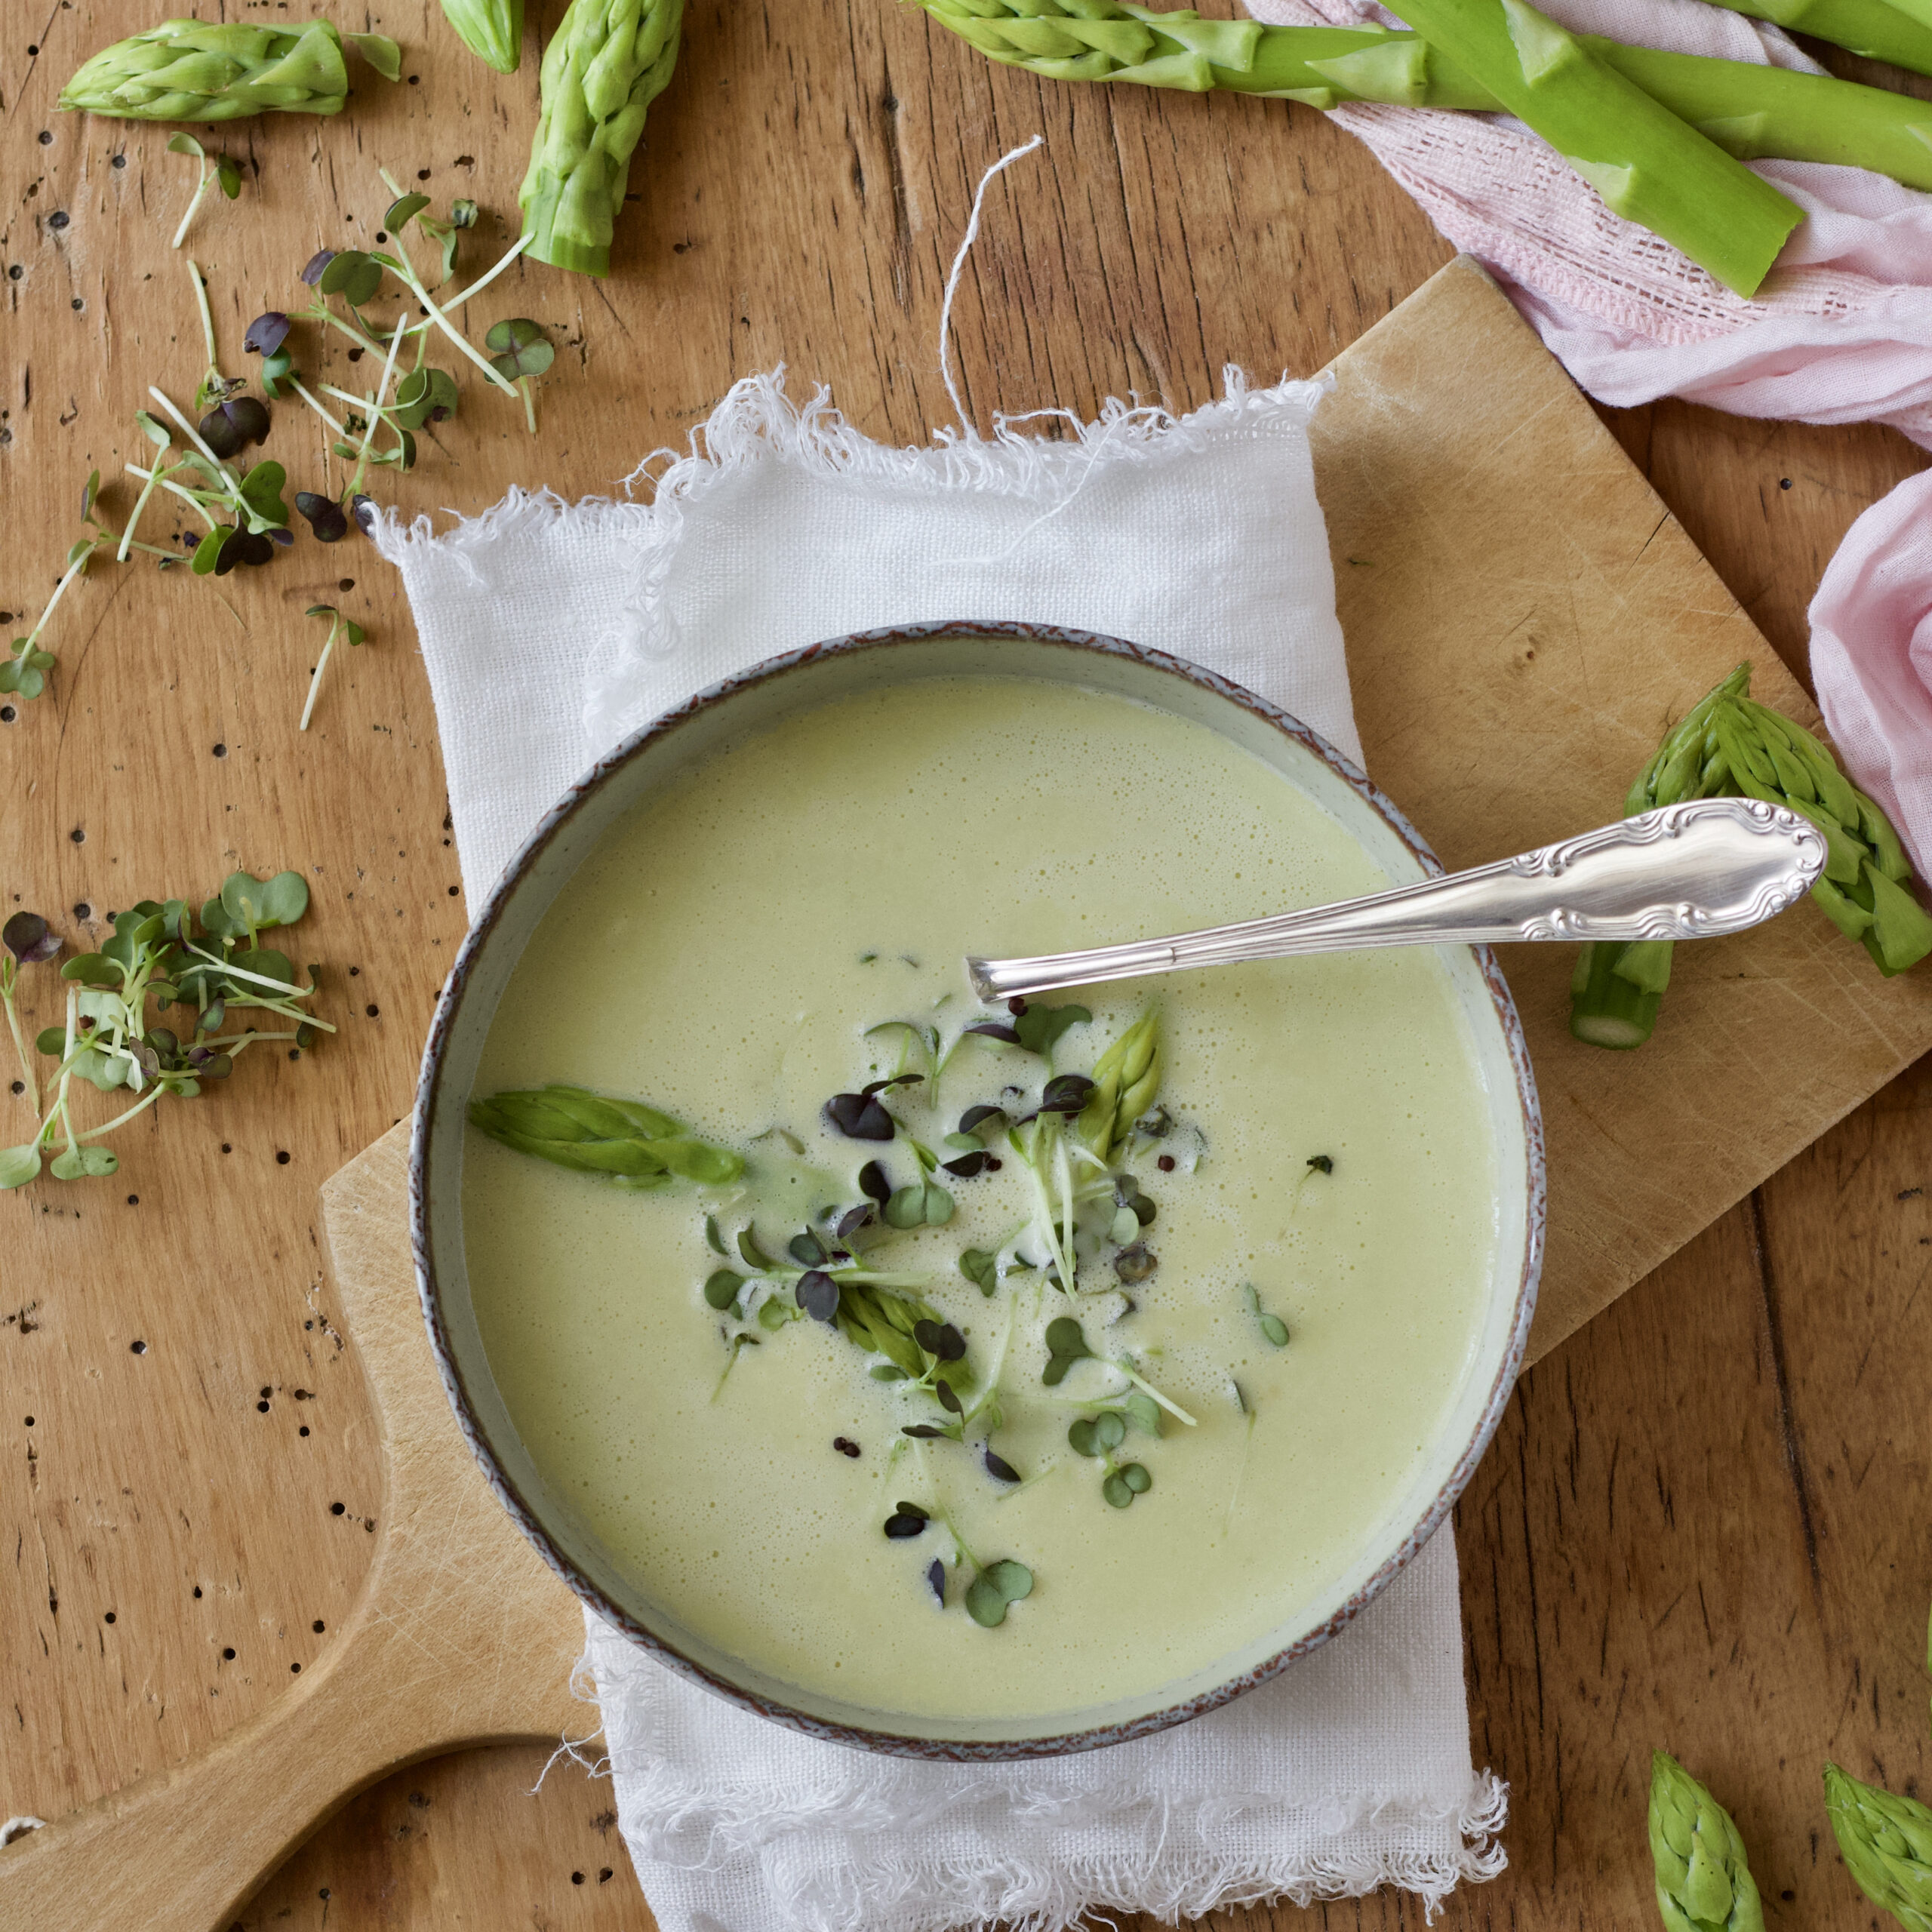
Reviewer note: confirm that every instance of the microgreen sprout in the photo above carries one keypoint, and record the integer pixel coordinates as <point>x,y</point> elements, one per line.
<point>520,349</point>
<point>980,1266</point>
<point>267,336</point>
<point>996,1586</point>
<point>351,631</point>
<point>462,214</point>
<point>1066,1344</point>
<point>213,384</point>
<point>253,499</point>
<point>876,1309</point>
<point>29,941</point>
<point>1274,1330</point>
<point>157,953</point>
<point>213,167</point>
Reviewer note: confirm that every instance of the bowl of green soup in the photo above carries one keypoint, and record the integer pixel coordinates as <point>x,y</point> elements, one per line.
<point>954,1380</point>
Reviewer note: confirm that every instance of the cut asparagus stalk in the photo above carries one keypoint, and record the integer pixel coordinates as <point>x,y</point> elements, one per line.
<point>1608,1008</point>
<point>607,62</point>
<point>1751,111</point>
<point>1760,113</point>
<point>1877,28</point>
<point>1649,166</point>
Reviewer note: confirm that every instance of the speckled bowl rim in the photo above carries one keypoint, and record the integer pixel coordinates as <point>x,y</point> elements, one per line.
<point>428,1097</point>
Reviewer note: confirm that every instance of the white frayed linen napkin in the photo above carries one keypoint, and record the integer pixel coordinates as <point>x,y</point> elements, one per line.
<point>550,631</point>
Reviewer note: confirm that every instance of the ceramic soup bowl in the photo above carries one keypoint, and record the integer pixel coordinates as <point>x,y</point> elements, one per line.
<point>634,773</point>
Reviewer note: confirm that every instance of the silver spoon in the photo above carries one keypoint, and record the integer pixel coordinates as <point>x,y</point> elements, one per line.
<point>1694,871</point>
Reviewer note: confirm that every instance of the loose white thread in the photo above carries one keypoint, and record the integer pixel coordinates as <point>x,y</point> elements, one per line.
<point>1005,161</point>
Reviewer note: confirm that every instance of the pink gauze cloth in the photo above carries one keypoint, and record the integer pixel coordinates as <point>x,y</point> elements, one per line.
<point>1841,332</point>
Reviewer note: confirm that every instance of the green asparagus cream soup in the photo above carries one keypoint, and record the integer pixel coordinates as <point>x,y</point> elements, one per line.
<point>951,1360</point>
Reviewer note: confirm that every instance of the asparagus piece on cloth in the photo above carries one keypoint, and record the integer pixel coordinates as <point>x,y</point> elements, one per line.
<point>1879,29</point>
<point>192,70</point>
<point>1728,744</point>
<point>1649,166</point>
<point>1753,112</point>
<point>1704,1881</point>
<point>607,61</point>
<point>491,29</point>
<point>1888,1845</point>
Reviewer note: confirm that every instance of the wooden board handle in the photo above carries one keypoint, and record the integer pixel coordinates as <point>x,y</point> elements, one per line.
<point>182,1850</point>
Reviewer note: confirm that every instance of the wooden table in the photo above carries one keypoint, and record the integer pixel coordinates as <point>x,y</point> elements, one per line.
<point>1701,1524</point>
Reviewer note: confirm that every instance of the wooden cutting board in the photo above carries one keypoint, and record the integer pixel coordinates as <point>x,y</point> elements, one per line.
<point>1524,619</point>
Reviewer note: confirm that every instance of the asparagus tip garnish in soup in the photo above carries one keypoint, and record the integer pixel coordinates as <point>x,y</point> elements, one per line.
<point>628,1143</point>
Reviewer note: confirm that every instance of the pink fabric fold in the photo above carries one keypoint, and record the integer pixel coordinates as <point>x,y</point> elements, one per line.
<point>1872,657</point>
<point>1841,332</point>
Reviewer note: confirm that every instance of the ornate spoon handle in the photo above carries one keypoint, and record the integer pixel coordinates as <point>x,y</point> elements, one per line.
<point>1693,871</point>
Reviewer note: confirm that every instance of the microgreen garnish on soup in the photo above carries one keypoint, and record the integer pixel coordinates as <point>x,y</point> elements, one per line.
<point>863,1269</point>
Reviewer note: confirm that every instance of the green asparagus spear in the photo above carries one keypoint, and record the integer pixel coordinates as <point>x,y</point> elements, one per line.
<point>1127,1077</point>
<point>491,29</point>
<point>192,70</point>
<point>1649,166</point>
<point>608,60</point>
<point>1888,1845</point>
<point>1727,744</point>
<point>1751,111</point>
<point>631,1144</point>
<point>1704,1881</point>
<point>1880,30</point>
<point>1646,164</point>
<point>1760,113</point>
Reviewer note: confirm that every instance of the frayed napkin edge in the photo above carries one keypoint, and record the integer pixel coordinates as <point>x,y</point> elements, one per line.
<point>737,1825</point>
<point>941,1893</point>
<point>757,422</point>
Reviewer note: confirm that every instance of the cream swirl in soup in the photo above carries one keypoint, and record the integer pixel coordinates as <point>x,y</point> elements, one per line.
<point>1170,1348</point>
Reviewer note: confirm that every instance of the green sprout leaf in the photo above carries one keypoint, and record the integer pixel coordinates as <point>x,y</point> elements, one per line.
<point>262,903</point>
<point>401,212</point>
<point>1273,1328</point>
<point>997,1587</point>
<point>1040,1027</point>
<point>980,1267</point>
<point>208,551</point>
<point>1065,1345</point>
<point>75,1163</point>
<point>720,1288</point>
<point>185,144</point>
<point>518,347</point>
<point>19,1165</point>
<point>424,395</point>
<point>924,1204</point>
<point>228,177</point>
<point>261,490</point>
<point>353,275</point>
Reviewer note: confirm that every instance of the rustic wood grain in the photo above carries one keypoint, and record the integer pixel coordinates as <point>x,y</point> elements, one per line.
<point>1739,1437</point>
<point>462,1635</point>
